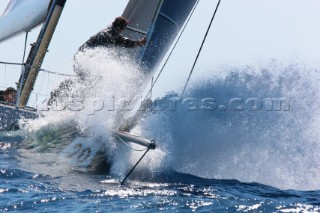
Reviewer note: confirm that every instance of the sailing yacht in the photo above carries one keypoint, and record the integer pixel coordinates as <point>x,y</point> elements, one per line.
<point>158,20</point>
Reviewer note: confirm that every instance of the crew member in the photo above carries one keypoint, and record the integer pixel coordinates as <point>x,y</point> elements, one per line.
<point>9,95</point>
<point>111,37</point>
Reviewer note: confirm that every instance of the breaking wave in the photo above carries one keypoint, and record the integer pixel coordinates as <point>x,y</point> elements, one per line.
<point>78,128</point>
<point>252,124</point>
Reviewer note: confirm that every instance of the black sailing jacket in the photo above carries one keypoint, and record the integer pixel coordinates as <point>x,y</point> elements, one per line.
<point>109,38</point>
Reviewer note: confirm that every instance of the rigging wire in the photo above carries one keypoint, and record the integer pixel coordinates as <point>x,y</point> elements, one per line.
<point>43,78</point>
<point>51,72</point>
<point>5,74</point>
<point>25,46</point>
<point>204,39</point>
<point>48,83</point>
<point>169,56</point>
<point>23,68</point>
<point>11,63</point>
<point>24,64</point>
<point>56,73</point>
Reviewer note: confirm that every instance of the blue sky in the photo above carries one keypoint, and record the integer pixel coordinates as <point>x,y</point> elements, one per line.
<point>245,32</point>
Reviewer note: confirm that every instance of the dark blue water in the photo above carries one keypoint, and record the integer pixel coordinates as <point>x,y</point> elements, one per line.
<point>167,191</point>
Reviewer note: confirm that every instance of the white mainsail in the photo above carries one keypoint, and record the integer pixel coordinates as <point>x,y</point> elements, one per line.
<point>22,15</point>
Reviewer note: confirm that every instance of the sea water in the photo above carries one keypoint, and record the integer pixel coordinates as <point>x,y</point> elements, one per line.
<point>228,145</point>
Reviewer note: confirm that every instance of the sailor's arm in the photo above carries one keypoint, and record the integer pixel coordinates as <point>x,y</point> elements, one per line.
<point>125,42</point>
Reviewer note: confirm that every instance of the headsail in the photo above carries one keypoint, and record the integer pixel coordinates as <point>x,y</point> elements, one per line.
<point>22,15</point>
<point>169,17</point>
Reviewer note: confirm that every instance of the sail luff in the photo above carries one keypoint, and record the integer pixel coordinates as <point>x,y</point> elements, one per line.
<point>150,31</point>
<point>172,16</point>
<point>157,11</point>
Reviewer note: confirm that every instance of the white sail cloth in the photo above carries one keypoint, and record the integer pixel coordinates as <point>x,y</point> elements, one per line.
<point>22,15</point>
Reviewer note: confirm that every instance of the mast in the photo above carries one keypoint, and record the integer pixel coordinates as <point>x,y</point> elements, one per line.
<point>39,52</point>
